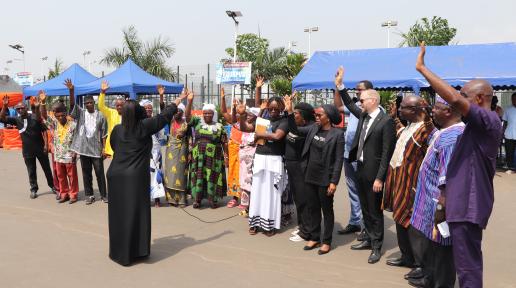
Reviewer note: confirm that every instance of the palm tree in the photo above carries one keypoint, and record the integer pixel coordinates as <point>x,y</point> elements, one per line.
<point>58,68</point>
<point>150,56</point>
<point>435,32</point>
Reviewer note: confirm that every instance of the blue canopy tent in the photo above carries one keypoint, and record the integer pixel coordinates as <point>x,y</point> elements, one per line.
<point>394,68</point>
<point>55,86</point>
<point>129,79</point>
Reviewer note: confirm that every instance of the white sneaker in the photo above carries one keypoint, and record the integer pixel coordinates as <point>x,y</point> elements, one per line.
<point>296,238</point>
<point>509,172</point>
<point>295,232</point>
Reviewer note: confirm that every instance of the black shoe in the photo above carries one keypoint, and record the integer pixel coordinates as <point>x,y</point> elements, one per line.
<point>363,236</point>
<point>415,273</point>
<point>399,262</point>
<point>364,245</point>
<point>307,248</point>
<point>90,200</point>
<point>421,282</point>
<point>63,199</point>
<point>349,229</point>
<point>73,200</point>
<point>104,199</point>
<point>33,195</point>
<point>375,256</point>
<point>58,196</point>
<point>54,190</point>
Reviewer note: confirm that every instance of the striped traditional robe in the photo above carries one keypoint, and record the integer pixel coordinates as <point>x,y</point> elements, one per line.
<point>400,185</point>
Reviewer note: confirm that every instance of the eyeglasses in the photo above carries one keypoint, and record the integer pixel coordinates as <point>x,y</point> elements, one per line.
<point>274,109</point>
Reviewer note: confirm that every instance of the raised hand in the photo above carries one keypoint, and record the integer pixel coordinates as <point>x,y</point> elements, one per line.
<point>42,96</point>
<point>68,83</point>
<point>104,86</point>
<point>5,100</point>
<point>420,62</point>
<point>339,76</point>
<point>190,96</point>
<point>259,81</point>
<point>183,94</point>
<point>36,99</point>
<point>222,93</point>
<point>161,89</point>
<point>240,109</point>
<point>287,99</point>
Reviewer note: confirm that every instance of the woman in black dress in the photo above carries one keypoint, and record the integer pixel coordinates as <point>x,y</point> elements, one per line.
<point>128,180</point>
<point>322,157</point>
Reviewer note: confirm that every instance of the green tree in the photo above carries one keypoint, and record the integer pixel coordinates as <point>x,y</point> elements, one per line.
<point>56,70</point>
<point>249,48</point>
<point>435,32</point>
<point>150,56</point>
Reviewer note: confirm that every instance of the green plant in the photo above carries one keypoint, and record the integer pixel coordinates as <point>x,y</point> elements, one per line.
<point>56,70</point>
<point>150,56</point>
<point>435,32</point>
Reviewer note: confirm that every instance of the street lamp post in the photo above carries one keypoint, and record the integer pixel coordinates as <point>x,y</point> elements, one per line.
<point>290,45</point>
<point>20,48</point>
<point>43,59</point>
<point>389,24</point>
<point>309,31</point>
<point>84,54</point>
<point>233,15</point>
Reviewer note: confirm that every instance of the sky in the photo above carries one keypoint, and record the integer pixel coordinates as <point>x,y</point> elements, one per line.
<point>201,30</point>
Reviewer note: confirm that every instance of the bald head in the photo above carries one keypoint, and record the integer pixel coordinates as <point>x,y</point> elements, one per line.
<point>479,92</point>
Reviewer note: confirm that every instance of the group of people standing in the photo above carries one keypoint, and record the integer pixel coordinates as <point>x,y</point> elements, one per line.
<point>432,167</point>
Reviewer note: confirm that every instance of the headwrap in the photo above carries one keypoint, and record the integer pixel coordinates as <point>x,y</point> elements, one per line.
<point>20,105</point>
<point>306,110</point>
<point>145,102</point>
<point>438,99</point>
<point>332,112</point>
<point>211,107</point>
<point>181,107</point>
<point>254,110</point>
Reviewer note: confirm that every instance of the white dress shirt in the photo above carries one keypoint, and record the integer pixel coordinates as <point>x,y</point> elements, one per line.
<point>373,116</point>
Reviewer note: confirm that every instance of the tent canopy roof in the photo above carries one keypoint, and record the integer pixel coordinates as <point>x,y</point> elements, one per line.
<point>394,68</point>
<point>55,86</point>
<point>129,79</point>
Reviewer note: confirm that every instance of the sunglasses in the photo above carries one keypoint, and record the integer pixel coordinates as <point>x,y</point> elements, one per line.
<point>363,100</point>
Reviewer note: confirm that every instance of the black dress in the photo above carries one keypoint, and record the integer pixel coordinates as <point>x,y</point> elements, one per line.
<point>128,180</point>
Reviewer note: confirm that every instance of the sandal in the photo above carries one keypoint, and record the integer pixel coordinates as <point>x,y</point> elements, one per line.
<point>196,205</point>
<point>232,203</point>
<point>253,230</point>
<point>270,233</point>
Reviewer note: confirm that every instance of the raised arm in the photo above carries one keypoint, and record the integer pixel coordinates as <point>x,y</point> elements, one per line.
<point>292,126</point>
<point>337,101</point>
<point>445,90</point>
<point>181,97</point>
<point>5,108</point>
<point>43,105</point>
<point>68,83</point>
<point>223,108</point>
<point>104,86</point>
<point>36,104</point>
<point>258,93</point>
<point>188,109</point>
<point>161,92</point>
<point>154,124</point>
<point>343,93</point>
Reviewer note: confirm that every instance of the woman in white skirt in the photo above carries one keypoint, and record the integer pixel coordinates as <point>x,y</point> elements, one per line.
<point>269,175</point>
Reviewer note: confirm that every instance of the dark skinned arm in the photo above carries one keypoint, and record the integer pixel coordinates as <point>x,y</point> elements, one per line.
<point>446,91</point>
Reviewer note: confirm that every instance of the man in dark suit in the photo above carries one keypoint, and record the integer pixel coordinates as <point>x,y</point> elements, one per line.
<point>372,148</point>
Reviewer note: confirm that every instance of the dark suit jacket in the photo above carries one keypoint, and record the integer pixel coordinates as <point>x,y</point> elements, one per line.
<point>333,150</point>
<point>379,143</point>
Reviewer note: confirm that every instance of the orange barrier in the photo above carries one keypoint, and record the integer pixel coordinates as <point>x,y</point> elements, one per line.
<point>12,139</point>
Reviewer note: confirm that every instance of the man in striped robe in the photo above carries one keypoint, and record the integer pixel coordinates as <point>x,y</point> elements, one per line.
<point>403,171</point>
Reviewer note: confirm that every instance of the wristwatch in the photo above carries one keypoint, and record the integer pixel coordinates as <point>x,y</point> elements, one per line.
<point>440,207</point>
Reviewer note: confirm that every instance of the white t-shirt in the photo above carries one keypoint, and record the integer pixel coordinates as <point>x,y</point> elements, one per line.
<point>510,117</point>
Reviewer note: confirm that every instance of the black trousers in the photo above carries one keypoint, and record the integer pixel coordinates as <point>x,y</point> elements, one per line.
<point>405,245</point>
<point>87,163</point>
<point>297,185</point>
<point>510,145</point>
<point>318,200</point>
<point>435,259</point>
<point>30,163</point>
<point>371,204</point>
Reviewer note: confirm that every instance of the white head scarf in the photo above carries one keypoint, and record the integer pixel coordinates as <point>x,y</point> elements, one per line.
<point>211,107</point>
<point>181,107</point>
<point>145,102</point>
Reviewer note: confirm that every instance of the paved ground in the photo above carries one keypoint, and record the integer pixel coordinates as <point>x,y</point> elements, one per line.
<point>45,244</point>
